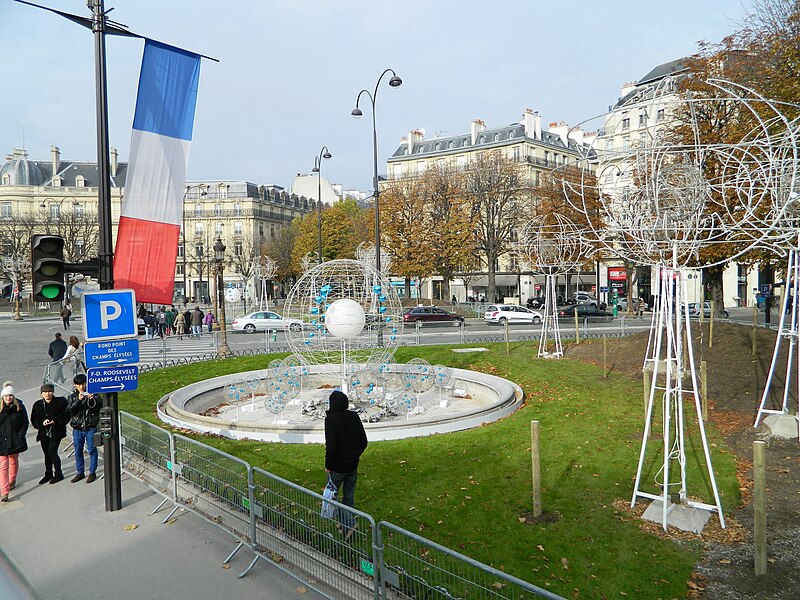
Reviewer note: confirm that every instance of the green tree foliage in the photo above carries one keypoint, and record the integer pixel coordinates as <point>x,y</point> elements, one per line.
<point>344,227</point>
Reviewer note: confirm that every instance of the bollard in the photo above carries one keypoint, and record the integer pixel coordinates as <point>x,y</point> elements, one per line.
<point>508,351</point>
<point>755,327</point>
<point>605,357</point>
<point>759,507</point>
<point>274,335</point>
<point>536,469</point>
<point>577,328</point>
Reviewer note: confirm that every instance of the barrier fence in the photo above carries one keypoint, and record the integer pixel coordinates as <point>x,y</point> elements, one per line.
<point>281,522</point>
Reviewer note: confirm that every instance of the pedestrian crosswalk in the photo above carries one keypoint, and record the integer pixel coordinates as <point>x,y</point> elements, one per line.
<point>172,348</point>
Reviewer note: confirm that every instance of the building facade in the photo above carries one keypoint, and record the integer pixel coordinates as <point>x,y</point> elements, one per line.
<point>61,197</point>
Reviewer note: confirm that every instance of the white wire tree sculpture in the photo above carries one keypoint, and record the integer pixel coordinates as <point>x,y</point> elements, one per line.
<point>686,192</point>
<point>264,270</point>
<point>552,244</point>
<point>351,313</point>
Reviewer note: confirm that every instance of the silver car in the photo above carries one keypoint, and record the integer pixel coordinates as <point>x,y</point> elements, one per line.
<point>263,320</point>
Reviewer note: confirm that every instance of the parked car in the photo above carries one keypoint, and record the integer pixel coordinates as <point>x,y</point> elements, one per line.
<point>265,320</point>
<point>694,311</point>
<point>585,298</point>
<point>510,313</point>
<point>431,314</point>
<point>622,304</point>
<point>537,302</point>
<point>583,310</point>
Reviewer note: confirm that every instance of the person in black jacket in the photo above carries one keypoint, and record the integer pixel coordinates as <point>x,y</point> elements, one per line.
<point>50,416</point>
<point>345,441</point>
<point>84,408</point>
<point>13,427</point>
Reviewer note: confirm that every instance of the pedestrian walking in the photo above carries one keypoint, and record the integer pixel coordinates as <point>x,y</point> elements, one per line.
<point>13,427</point>
<point>345,441</point>
<point>170,314</point>
<point>84,410</point>
<point>197,322</point>
<point>161,322</point>
<point>209,321</point>
<point>71,360</point>
<point>66,313</point>
<point>50,416</point>
<point>180,325</point>
<point>56,351</point>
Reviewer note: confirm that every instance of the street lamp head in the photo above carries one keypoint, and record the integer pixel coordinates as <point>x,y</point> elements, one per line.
<point>395,81</point>
<point>315,169</point>
<point>356,112</point>
<point>327,155</point>
<point>43,205</point>
<point>219,251</point>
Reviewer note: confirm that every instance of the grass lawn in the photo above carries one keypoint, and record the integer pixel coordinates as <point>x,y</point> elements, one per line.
<point>469,490</point>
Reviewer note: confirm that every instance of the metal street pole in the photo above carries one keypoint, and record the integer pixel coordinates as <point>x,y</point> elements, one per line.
<point>219,261</point>
<point>112,467</point>
<point>323,153</point>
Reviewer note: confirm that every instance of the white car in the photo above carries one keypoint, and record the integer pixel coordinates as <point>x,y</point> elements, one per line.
<point>584,298</point>
<point>263,320</point>
<point>511,313</point>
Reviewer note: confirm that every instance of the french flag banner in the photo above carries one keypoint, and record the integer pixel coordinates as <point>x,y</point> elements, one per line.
<point>152,208</point>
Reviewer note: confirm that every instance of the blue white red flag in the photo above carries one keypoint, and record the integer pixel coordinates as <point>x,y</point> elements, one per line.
<point>152,208</point>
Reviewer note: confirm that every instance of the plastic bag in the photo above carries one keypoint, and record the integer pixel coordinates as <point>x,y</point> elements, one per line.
<point>328,509</point>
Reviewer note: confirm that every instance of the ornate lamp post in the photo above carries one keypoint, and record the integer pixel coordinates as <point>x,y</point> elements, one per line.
<point>203,192</point>
<point>323,153</point>
<point>394,81</point>
<point>219,261</point>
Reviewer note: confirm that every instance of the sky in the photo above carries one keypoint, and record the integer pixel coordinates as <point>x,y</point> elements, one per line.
<point>289,72</point>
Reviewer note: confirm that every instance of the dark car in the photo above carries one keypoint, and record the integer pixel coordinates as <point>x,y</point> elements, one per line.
<point>431,314</point>
<point>583,310</point>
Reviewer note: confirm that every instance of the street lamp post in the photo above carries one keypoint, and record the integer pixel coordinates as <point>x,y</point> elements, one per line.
<point>394,81</point>
<point>323,153</point>
<point>203,192</point>
<point>219,259</point>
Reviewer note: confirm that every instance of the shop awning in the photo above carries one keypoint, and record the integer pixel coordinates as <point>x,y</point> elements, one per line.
<point>499,280</point>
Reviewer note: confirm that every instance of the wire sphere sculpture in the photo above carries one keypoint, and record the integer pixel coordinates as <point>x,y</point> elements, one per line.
<point>683,189</point>
<point>418,375</point>
<point>407,402</point>
<point>325,284</point>
<point>366,254</point>
<point>552,244</point>
<point>265,268</point>
<point>442,376</point>
<point>237,391</point>
<point>365,386</point>
<point>284,383</point>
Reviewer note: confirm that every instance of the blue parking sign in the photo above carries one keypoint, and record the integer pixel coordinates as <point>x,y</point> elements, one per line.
<point>109,315</point>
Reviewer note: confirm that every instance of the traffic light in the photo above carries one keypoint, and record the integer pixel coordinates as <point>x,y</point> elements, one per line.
<point>47,262</point>
<point>106,421</point>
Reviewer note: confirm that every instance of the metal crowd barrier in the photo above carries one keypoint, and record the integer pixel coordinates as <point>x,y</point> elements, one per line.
<point>281,522</point>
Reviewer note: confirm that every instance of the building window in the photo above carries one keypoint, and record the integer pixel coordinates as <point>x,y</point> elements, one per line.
<point>237,210</point>
<point>482,139</point>
<point>55,212</point>
<point>79,212</point>
<point>6,179</point>
<point>398,171</point>
<point>5,210</point>
<point>515,153</point>
<point>437,147</point>
<point>451,145</point>
<point>421,149</point>
<point>421,166</point>
<point>223,191</point>
<point>642,119</point>
<point>56,181</point>
<point>218,210</point>
<point>626,123</point>
<point>179,269</point>
<point>79,247</point>
<point>496,137</point>
<point>272,230</point>
<point>511,134</point>
<point>237,248</point>
<point>405,151</point>
<point>181,250</point>
<point>218,229</point>
<point>198,250</point>
<point>440,163</point>
<point>198,229</point>
<point>80,181</point>
<point>198,210</point>
<point>261,229</point>
<point>465,142</point>
<point>237,228</point>
<point>461,161</point>
<point>546,157</point>
<point>626,143</point>
<point>660,115</point>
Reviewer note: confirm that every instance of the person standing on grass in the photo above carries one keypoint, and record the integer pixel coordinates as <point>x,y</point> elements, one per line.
<point>50,416</point>
<point>84,410</point>
<point>345,442</point>
<point>13,427</point>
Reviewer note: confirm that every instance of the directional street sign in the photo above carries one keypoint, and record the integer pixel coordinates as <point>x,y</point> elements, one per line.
<point>111,353</point>
<point>109,315</point>
<point>112,379</point>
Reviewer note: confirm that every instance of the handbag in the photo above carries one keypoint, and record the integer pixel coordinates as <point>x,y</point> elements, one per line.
<point>329,493</point>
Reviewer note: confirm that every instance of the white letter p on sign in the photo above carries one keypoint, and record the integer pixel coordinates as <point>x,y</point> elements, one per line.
<point>109,310</point>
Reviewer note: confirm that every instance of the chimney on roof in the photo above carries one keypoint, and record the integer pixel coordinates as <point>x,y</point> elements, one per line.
<point>114,162</point>
<point>561,129</point>
<point>532,122</point>
<point>415,136</point>
<point>576,135</point>
<point>476,127</point>
<point>55,157</point>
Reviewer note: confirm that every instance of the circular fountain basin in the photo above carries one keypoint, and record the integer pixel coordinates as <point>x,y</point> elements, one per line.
<point>470,400</point>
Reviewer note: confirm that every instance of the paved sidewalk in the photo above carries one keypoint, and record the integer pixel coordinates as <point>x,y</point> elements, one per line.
<point>61,538</point>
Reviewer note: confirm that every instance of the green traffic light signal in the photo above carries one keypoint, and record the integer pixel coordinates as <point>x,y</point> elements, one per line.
<point>47,266</point>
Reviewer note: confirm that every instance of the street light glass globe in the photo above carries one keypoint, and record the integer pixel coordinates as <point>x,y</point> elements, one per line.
<point>345,318</point>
